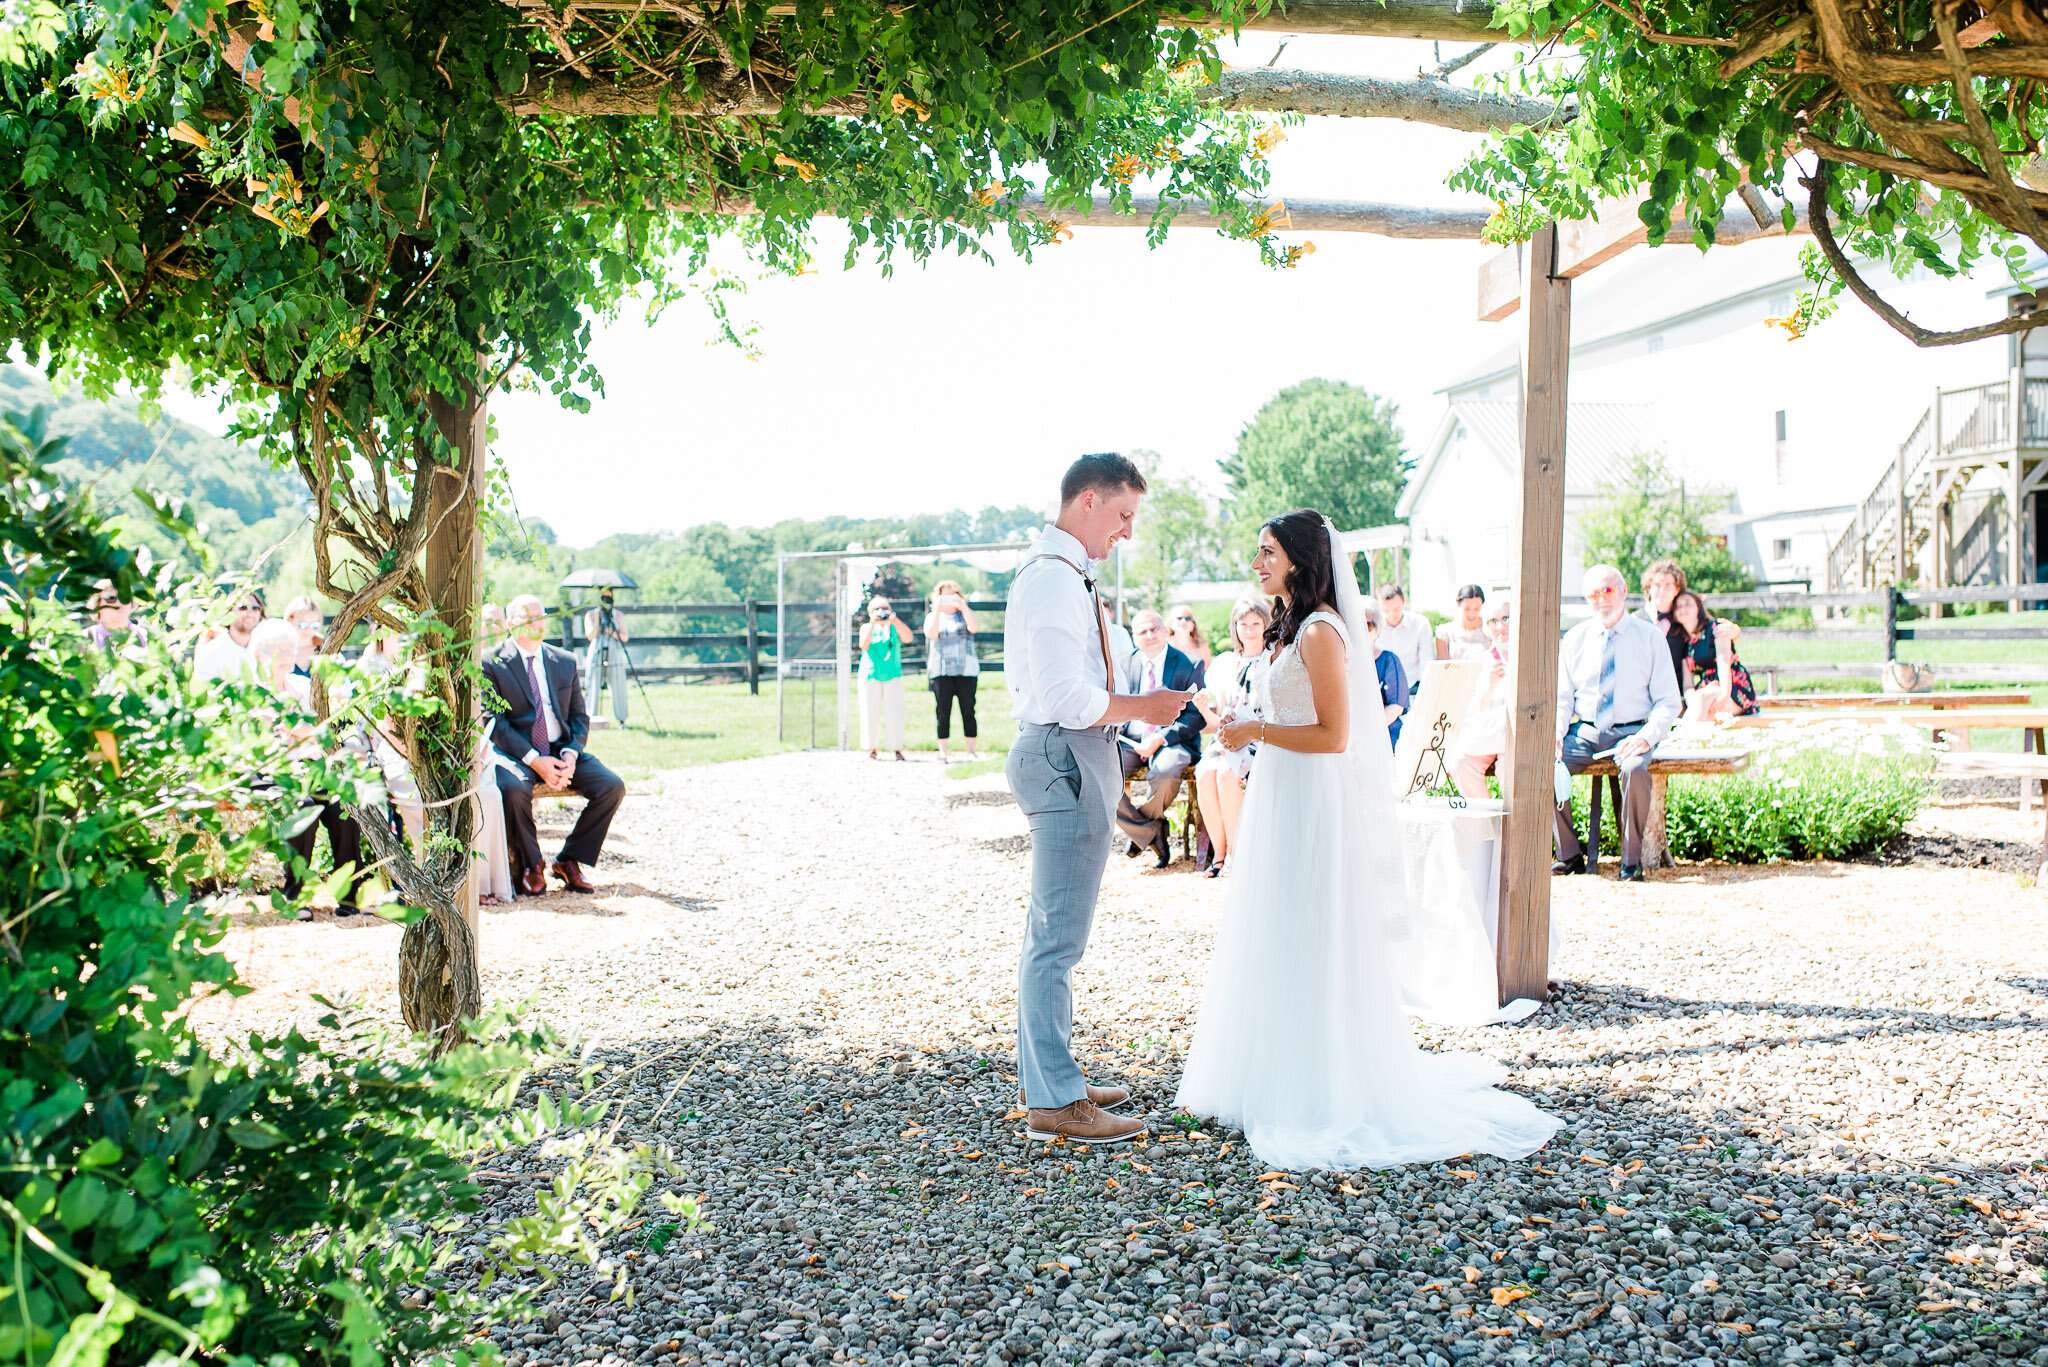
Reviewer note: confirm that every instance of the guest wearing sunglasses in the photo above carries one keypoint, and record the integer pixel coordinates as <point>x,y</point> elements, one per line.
<point>1616,691</point>
<point>306,618</point>
<point>1184,634</point>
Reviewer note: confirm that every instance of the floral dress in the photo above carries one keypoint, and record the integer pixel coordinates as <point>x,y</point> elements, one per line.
<point>1704,666</point>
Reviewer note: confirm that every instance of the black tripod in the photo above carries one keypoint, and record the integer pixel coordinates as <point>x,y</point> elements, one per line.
<point>606,638</point>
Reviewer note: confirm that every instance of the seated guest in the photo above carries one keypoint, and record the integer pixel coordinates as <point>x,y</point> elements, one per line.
<point>1663,581</point>
<point>1464,636</point>
<point>1393,680</point>
<point>1616,691</point>
<point>541,723</point>
<point>1483,732</point>
<point>1184,634</point>
<point>273,646</point>
<point>1405,633</point>
<point>1220,775</point>
<point>1716,683</point>
<point>224,654</point>
<point>1162,752</point>
<point>306,618</point>
<point>111,628</point>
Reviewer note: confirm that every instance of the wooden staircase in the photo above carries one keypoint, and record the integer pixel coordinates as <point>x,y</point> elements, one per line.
<point>1962,431</point>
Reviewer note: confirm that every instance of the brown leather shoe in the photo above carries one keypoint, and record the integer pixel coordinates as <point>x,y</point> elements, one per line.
<point>1084,1121</point>
<point>572,875</point>
<point>534,882</point>
<point>1105,1097</point>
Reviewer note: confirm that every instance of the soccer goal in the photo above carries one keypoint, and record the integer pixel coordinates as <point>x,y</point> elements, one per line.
<point>821,600</point>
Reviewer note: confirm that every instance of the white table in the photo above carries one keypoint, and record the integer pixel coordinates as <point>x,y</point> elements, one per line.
<point>1446,962</point>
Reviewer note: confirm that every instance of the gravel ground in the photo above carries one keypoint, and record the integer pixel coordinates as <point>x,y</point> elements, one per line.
<point>1805,1109</point>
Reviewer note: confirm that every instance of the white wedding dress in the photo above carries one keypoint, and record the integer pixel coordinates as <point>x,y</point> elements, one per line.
<point>1302,1042</point>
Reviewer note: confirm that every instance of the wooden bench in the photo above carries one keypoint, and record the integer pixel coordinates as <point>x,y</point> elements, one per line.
<point>2025,768</point>
<point>1940,702</point>
<point>1663,764</point>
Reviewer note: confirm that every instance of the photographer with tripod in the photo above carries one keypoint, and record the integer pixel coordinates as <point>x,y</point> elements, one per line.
<point>605,661</point>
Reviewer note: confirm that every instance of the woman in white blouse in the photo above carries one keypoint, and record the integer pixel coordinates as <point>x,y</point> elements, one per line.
<point>1221,774</point>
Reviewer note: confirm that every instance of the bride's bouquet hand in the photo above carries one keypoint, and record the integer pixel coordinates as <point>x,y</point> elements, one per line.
<point>1238,732</point>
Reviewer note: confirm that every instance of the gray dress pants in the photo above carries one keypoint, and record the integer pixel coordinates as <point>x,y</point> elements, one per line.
<point>1067,784</point>
<point>1581,743</point>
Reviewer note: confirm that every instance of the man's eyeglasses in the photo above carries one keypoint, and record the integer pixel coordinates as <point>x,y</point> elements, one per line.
<point>1609,591</point>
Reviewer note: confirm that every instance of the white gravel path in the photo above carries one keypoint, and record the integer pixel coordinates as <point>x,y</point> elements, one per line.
<point>1805,1103</point>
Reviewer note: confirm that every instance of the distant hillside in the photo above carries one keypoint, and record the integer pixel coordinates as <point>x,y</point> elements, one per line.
<point>248,506</point>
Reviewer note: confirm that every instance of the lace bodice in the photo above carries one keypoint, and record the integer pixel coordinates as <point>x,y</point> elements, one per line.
<point>1282,689</point>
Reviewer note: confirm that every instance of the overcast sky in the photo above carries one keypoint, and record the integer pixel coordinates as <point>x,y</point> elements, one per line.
<point>963,384</point>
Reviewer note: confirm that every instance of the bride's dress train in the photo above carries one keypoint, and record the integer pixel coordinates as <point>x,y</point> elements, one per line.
<point>1302,1042</point>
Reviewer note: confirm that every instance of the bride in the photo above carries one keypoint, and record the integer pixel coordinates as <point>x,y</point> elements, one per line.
<point>1301,1042</point>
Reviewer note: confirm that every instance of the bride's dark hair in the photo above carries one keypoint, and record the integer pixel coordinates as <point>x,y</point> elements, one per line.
<point>1311,580</point>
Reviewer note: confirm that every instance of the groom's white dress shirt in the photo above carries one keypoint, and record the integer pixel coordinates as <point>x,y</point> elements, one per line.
<point>1052,639</point>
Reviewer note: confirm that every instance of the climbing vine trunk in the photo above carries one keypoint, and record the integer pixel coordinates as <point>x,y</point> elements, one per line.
<point>439,985</point>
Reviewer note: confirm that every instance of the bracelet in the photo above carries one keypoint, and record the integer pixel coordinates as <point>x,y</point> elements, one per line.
<point>1262,733</point>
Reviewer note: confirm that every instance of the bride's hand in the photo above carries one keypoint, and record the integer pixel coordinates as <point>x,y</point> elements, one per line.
<point>1237,733</point>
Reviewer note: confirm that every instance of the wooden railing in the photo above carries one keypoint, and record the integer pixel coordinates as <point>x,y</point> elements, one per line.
<point>1974,421</point>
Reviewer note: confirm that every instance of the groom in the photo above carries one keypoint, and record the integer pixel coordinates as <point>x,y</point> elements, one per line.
<point>1065,773</point>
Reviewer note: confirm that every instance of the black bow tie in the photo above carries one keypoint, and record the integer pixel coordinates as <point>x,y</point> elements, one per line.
<point>1086,582</point>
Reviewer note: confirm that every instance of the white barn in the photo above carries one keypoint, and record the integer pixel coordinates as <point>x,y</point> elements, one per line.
<point>1671,354</point>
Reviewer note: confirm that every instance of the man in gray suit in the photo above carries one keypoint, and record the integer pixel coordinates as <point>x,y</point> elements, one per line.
<point>1066,776</point>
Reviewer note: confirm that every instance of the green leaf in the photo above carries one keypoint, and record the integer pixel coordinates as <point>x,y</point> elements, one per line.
<point>99,1153</point>
<point>83,1200</point>
<point>255,1134</point>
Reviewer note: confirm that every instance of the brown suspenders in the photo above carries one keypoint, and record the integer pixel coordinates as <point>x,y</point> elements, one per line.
<point>1101,626</point>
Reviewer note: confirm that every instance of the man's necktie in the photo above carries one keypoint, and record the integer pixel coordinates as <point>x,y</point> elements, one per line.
<point>1604,716</point>
<point>538,732</point>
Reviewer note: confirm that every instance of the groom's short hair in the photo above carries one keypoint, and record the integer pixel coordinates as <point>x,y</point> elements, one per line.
<point>1103,471</point>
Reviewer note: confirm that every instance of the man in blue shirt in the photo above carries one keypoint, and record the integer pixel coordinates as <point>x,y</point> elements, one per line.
<point>1616,691</point>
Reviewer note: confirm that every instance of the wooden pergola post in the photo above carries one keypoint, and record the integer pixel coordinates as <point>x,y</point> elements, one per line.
<point>1523,943</point>
<point>454,560</point>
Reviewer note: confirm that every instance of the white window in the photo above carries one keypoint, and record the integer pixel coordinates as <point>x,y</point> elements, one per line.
<point>1782,453</point>
<point>1781,549</point>
<point>1780,305</point>
<point>1656,343</point>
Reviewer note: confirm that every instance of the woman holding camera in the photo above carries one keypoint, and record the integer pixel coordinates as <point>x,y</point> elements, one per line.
<point>951,668</point>
<point>881,677</point>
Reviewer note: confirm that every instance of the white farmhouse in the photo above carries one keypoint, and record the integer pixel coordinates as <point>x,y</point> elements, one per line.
<point>1803,437</point>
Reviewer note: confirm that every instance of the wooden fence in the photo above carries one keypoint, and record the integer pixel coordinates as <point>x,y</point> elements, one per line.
<point>1885,635</point>
<point>753,643</point>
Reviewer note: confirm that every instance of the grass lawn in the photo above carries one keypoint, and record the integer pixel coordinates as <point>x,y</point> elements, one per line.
<point>710,723</point>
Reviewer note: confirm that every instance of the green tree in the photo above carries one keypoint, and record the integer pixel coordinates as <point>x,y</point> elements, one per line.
<point>1320,444</point>
<point>1648,514</point>
<point>360,219</point>
<point>1179,537</point>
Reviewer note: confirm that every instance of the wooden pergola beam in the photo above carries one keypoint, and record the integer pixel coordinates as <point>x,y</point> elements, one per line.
<point>1444,21</point>
<point>1259,90</point>
<point>1303,215</point>
<point>1422,100</point>
<point>1587,243</point>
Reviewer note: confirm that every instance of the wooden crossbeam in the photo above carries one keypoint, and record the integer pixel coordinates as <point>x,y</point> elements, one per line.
<point>1446,21</point>
<point>1593,242</point>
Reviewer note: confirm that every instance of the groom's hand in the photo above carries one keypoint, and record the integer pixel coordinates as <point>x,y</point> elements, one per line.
<point>1161,706</point>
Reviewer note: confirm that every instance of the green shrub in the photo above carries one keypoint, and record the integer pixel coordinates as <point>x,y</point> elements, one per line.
<point>1822,790</point>
<point>160,1197</point>
<point>1815,790</point>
